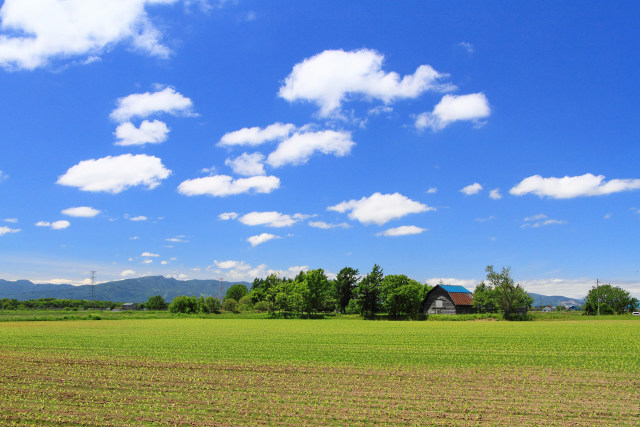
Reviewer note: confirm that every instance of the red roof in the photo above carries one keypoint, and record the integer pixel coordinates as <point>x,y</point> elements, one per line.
<point>460,298</point>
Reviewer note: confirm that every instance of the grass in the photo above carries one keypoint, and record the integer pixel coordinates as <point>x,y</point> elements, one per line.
<point>332,371</point>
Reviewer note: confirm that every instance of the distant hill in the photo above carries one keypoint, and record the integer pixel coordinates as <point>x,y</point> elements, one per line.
<point>127,290</point>
<point>554,300</point>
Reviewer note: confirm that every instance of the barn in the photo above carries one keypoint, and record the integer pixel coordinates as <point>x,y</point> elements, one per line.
<point>446,299</point>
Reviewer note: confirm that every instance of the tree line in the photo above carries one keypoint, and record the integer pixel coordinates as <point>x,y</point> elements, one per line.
<point>54,304</point>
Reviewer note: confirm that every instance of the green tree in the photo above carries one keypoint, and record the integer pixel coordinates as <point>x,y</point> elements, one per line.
<point>229,304</point>
<point>613,299</point>
<point>236,291</point>
<point>509,297</point>
<point>401,296</point>
<point>184,304</point>
<point>314,288</point>
<point>344,287</point>
<point>368,292</point>
<point>484,299</point>
<point>211,305</point>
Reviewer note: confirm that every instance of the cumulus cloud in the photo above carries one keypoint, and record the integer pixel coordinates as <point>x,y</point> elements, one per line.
<point>271,219</point>
<point>81,212</point>
<point>37,31</point>
<point>380,208</point>
<point>153,132</point>
<point>247,164</point>
<point>495,194</point>
<point>404,230</point>
<point>453,108</point>
<point>146,104</point>
<point>469,190</point>
<point>11,220</point>
<point>432,190</point>
<point>149,254</point>
<point>570,187</point>
<point>540,220</point>
<point>326,226</point>
<point>226,216</point>
<point>256,136</point>
<point>242,271</point>
<point>55,225</point>
<point>115,174</point>
<point>299,148</point>
<point>7,230</point>
<point>261,238</point>
<point>223,185</point>
<point>334,76</point>
<point>138,218</point>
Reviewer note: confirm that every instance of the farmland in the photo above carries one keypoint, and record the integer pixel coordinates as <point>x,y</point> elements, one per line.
<point>332,371</point>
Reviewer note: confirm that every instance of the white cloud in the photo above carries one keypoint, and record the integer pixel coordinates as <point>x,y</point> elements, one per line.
<point>540,220</point>
<point>495,194</point>
<point>569,187</point>
<point>3,176</point>
<point>325,226</point>
<point>147,261</point>
<point>470,284</point>
<point>6,230</point>
<point>241,271</point>
<point>60,225</point>
<point>572,288</point>
<point>261,238</point>
<point>115,174</point>
<point>177,239</point>
<point>164,262</point>
<point>247,164</point>
<point>153,132</point>
<point>300,147</point>
<point>432,190</point>
<point>271,219</point>
<point>149,254</point>
<point>81,212</point>
<point>453,108</point>
<point>223,185</point>
<point>334,76</point>
<point>404,230</point>
<point>466,46</point>
<point>226,265</point>
<point>55,225</point>
<point>127,273</point>
<point>469,190</point>
<point>146,104</point>
<point>11,220</point>
<point>256,136</point>
<point>226,216</point>
<point>138,218</point>
<point>37,31</point>
<point>380,208</point>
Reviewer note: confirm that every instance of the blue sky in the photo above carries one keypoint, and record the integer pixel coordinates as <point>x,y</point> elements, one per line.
<point>204,139</point>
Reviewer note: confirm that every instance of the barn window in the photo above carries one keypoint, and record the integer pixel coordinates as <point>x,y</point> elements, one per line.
<point>438,303</point>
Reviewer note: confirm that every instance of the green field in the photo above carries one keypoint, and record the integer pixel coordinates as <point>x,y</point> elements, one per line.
<point>333,371</point>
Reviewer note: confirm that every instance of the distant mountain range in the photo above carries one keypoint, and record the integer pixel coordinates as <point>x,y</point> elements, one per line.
<point>140,289</point>
<point>554,300</point>
<point>128,290</point>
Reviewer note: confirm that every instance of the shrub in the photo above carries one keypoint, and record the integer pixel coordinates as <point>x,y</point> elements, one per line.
<point>230,304</point>
<point>184,304</point>
<point>261,306</point>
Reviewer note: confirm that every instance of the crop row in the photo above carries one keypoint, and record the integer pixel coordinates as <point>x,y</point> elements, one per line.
<point>100,391</point>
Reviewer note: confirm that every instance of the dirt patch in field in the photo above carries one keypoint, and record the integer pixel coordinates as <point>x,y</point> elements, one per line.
<point>66,390</point>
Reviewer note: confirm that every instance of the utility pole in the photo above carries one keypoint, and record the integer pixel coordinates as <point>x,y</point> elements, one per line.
<point>93,284</point>
<point>220,291</point>
<point>598,292</point>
